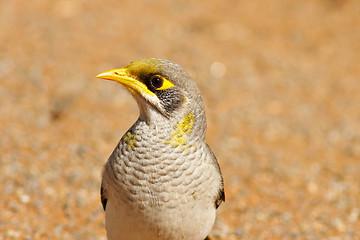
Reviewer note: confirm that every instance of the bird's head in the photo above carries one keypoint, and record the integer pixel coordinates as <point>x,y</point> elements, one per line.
<point>161,88</point>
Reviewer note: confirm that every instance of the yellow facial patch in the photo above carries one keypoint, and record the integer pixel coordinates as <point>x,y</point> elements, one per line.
<point>148,66</point>
<point>184,128</point>
<point>130,140</point>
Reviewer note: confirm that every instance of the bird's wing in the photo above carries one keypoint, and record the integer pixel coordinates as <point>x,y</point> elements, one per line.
<point>221,194</point>
<point>103,197</point>
<point>221,197</point>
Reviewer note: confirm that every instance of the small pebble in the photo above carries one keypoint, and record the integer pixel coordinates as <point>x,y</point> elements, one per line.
<point>24,198</point>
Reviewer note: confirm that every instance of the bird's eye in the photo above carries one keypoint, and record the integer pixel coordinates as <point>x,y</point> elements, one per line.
<point>159,83</point>
<point>156,82</point>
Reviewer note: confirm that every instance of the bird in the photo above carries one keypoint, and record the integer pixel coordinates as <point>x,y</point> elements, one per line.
<point>162,181</point>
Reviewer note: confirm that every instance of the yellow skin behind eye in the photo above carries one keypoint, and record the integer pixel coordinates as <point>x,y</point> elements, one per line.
<point>166,83</point>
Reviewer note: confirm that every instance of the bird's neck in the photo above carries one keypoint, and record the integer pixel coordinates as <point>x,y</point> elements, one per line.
<point>185,123</point>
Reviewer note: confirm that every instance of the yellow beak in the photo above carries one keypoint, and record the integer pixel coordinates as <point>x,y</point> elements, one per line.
<point>122,76</point>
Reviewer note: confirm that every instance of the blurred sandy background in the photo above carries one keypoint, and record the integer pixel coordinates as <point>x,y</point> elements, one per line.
<point>280,81</point>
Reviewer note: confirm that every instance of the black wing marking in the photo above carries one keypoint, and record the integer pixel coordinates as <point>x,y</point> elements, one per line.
<point>221,196</point>
<point>103,197</point>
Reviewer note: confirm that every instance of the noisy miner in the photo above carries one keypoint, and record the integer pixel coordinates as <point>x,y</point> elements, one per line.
<point>162,181</point>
